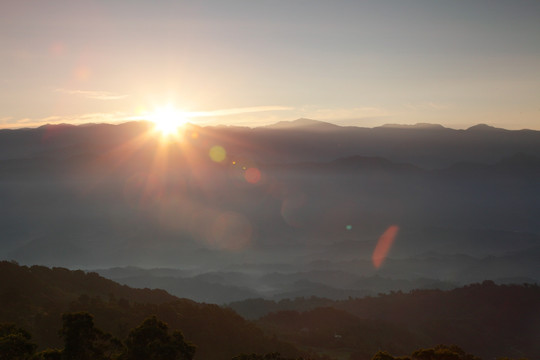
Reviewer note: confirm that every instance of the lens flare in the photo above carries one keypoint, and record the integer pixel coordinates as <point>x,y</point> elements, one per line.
<point>384,245</point>
<point>252,175</point>
<point>82,73</point>
<point>217,153</point>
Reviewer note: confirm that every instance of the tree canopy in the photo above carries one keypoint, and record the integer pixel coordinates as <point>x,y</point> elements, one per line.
<point>15,343</point>
<point>151,341</point>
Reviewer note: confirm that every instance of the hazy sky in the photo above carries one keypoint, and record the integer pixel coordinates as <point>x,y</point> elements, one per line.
<point>250,62</point>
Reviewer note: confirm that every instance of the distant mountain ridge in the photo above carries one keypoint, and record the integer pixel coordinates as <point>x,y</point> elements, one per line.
<point>485,127</point>
<point>290,200</point>
<point>424,145</point>
<point>307,123</point>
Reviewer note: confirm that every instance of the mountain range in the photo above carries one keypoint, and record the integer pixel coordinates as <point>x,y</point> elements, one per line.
<point>293,199</point>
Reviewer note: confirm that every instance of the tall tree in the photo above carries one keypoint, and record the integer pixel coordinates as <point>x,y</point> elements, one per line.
<point>151,341</point>
<point>83,341</point>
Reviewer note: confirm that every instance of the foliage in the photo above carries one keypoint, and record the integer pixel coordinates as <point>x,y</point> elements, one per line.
<point>15,343</point>
<point>443,352</point>
<point>383,355</point>
<point>48,354</point>
<point>82,341</point>
<point>329,328</point>
<point>151,341</point>
<point>439,352</point>
<point>269,356</point>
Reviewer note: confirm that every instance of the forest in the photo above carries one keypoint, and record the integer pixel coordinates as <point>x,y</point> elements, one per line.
<point>152,340</point>
<point>44,311</point>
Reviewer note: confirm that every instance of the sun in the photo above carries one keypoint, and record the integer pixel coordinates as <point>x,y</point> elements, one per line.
<point>168,119</point>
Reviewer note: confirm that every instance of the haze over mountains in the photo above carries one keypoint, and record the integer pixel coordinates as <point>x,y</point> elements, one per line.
<point>292,209</point>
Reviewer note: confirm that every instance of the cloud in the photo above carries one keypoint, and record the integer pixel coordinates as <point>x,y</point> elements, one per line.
<point>119,117</point>
<point>6,120</point>
<point>367,112</point>
<point>262,115</point>
<point>114,117</point>
<point>236,111</point>
<point>425,106</point>
<point>97,95</point>
<point>111,118</point>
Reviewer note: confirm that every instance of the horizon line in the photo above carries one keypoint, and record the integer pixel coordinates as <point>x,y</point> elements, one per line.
<point>418,125</point>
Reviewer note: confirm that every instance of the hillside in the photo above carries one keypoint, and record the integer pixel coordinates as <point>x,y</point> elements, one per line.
<point>485,319</point>
<point>34,298</point>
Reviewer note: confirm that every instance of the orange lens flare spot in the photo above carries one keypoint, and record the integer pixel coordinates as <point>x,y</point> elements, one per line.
<point>57,49</point>
<point>82,73</point>
<point>384,245</point>
<point>252,175</point>
<point>217,153</point>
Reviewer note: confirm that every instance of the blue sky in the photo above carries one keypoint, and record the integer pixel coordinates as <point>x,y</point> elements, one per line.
<point>251,63</point>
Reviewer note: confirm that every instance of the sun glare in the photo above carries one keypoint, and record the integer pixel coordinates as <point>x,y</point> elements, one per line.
<point>167,120</point>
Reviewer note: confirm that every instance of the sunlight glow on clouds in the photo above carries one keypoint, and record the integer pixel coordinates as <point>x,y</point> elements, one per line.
<point>426,105</point>
<point>355,113</point>
<point>234,116</point>
<point>97,95</point>
<point>164,112</point>
<point>77,119</point>
<point>6,120</point>
<point>234,111</point>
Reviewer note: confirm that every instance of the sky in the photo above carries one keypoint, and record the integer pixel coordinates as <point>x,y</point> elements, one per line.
<point>246,62</point>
